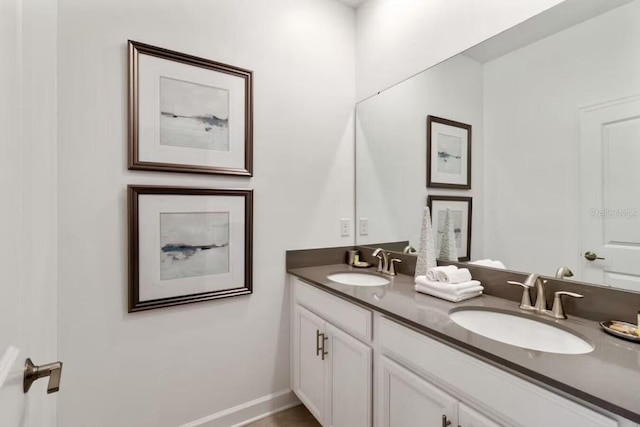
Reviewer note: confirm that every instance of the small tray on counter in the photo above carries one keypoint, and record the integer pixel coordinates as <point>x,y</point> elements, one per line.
<point>624,330</point>
<point>362,264</point>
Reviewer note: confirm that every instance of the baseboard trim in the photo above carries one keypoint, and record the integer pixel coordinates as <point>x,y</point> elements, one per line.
<point>249,412</point>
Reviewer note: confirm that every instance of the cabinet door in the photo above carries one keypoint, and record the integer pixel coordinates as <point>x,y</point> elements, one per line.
<point>349,380</point>
<point>407,400</point>
<point>469,417</point>
<point>308,364</point>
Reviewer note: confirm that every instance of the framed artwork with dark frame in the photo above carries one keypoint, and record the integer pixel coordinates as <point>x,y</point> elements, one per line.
<point>188,114</point>
<point>188,245</point>
<point>461,212</point>
<point>448,154</point>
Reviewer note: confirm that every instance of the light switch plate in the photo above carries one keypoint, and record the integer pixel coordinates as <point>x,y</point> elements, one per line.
<point>363,226</point>
<point>345,227</point>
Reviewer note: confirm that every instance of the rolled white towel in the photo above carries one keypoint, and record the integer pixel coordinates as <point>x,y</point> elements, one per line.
<point>456,276</point>
<point>432,273</point>
<point>445,295</point>
<point>453,289</point>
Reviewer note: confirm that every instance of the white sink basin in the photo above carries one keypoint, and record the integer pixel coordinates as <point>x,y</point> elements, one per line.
<point>358,279</point>
<point>520,331</point>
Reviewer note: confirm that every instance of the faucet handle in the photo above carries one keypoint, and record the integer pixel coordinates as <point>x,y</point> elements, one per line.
<point>557,311</point>
<point>525,302</point>
<point>524,285</point>
<point>392,266</point>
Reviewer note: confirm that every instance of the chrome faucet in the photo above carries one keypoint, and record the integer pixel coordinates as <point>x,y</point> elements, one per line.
<point>541,298</point>
<point>525,303</point>
<point>383,259</point>
<point>563,272</point>
<point>386,265</point>
<point>533,280</point>
<point>409,250</point>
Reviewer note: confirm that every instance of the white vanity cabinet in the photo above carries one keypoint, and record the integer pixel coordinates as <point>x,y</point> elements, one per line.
<point>308,363</point>
<point>419,380</point>
<point>509,399</point>
<point>332,370</point>
<point>408,400</point>
<point>469,417</point>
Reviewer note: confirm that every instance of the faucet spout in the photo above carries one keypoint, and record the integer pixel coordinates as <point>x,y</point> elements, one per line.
<point>383,260</point>
<point>563,272</point>
<point>541,300</point>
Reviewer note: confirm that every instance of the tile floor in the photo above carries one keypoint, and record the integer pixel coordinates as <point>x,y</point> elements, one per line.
<point>298,416</point>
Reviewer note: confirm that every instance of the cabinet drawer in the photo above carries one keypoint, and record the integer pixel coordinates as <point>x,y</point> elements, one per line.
<point>507,395</point>
<point>345,315</point>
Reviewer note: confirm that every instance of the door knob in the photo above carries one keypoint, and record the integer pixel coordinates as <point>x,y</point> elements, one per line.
<point>33,373</point>
<point>591,256</point>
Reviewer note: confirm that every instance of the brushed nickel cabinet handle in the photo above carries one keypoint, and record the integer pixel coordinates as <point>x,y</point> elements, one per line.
<point>33,373</point>
<point>324,341</point>
<point>445,421</point>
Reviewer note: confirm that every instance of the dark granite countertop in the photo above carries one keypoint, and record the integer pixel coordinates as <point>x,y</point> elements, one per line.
<point>608,377</point>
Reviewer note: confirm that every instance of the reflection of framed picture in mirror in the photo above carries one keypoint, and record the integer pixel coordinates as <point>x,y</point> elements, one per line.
<point>188,245</point>
<point>461,212</point>
<point>448,154</point>
<point>188,114</point>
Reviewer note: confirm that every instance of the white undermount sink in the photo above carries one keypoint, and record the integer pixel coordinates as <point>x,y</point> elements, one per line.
<point>520,331</point>
<point>358,279</point>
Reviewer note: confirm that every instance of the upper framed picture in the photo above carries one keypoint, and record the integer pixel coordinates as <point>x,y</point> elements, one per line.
<point>188,114</point>
<point>448,154</point>
<point>461,213</point>
<point>188,245</point>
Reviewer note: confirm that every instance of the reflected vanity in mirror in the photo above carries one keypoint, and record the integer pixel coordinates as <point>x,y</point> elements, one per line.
<point>554,104</point>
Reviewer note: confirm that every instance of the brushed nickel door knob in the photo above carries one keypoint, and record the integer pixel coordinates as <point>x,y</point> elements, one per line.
<point>591,256</point>
<point>33,373</point>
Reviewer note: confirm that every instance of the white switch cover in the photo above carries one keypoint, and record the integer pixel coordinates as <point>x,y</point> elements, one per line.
<point>345,227</point>
<point>363,225</point>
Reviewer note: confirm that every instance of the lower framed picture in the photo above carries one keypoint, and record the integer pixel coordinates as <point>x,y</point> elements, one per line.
<point>188,245</point>
<point>461,212</point>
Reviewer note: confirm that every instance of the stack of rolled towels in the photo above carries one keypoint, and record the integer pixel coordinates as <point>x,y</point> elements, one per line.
<point>449,283</point>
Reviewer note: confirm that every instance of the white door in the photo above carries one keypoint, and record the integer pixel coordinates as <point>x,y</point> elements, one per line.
<point>350,374</point>
<point>469,417</point>
<point>309,364</point>
<point>28,257</point>
<point>610,190</point>
<point>406,400</point>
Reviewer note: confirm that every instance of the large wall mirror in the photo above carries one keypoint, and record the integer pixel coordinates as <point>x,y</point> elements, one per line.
<point>554,110</point>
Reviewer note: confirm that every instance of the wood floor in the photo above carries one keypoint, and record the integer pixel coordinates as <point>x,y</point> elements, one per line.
<point>298,416</point>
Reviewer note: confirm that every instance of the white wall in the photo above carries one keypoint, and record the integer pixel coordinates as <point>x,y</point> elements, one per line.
<point>172,366</point>
<point>531,156</point>
<point>399,38</point>
<point>391,150</point>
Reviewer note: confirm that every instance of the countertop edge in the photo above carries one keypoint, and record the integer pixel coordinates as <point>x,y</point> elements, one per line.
<point>495,361</point>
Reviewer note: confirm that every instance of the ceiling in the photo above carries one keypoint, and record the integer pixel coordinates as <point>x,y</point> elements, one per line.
<point>352,3</point>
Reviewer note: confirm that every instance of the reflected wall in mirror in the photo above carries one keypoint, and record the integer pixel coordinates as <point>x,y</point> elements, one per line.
<point>555,108</point>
